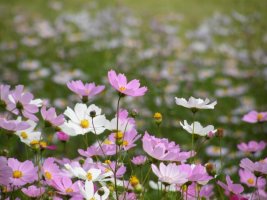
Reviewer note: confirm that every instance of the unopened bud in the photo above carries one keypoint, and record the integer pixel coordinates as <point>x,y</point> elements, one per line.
<point>219,132</point>
<point>158,118</point>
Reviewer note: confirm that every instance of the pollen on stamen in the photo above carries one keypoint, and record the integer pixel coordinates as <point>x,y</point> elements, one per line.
<point>84,123</point>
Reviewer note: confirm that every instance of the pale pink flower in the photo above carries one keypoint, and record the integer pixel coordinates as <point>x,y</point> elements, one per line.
<point>139,160</point>
<point>251,146</point>
<point>230,187</point>
<point>33,191</point>
<point>51,118</point>
<point>13,125</point>
<point>64,186</point>
<point>260,166</point>
<point>119,82</point>
<point>5,171</point>
<point>23,172</point>
<point>50,170</point>
<point>4,92</point>
<point>22,102</point>
<point>87,90</point>
<point>170,174</point>
<point>248,178</point>
<point>162,149</point>
<point>195,173</point>
<point>254,117</point>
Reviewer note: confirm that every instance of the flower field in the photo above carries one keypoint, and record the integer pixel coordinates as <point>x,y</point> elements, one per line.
<point>127,100</point>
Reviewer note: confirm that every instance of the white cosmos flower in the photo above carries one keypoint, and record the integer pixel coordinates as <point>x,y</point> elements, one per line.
<point>28,135</point>
<point>81,120</point>
<point>194,103</point>
<point>170,174</point>
<point>90,175</point>
<point>197,128</point>
<point>89,193</point>
<point>159,186</point>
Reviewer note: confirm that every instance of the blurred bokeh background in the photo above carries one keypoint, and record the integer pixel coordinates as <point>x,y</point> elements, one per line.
<point>214,49</point>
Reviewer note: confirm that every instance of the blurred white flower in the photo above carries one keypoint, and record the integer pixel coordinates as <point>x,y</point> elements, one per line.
<point>194,103</point>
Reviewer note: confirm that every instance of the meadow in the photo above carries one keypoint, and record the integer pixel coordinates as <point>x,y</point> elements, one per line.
<point>208,49</point>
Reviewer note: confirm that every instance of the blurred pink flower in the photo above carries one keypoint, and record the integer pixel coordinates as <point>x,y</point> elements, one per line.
<point>254,117</point>
<point>139,160</point>
<point>13,125</point>
<point>162,149</point>
<point>248,178</point>
<point>21,103</point>
<point>50,117</point>
<point>4,92</point>
<point>119,82</point>
<point>33,191</point>
<point>23,172</point>
<point>62,136</point>
<point>230,187</point>
<point>5,172</point>
<point>260,166</point>
<point>88,90</point>
<point>252,146</point>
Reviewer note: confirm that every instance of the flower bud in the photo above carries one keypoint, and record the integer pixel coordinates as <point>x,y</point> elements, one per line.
<point>92,113</point>
<point>158,118</point>
<point>134,181</point>
<point>138,188</point>
<point>219,132</point>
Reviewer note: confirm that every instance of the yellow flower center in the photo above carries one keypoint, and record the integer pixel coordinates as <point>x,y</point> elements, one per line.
<point>119,135</point>
<point>250,181</point>
<point>134,181</point>
<point>48,175</point>
<point>157,116</point>
<point>259,116</point>
<point>24,135</point>
<point>108,162</point>
<point>107,170</point>
<point>216,149</point>
<point>84,123</point>
<point>125,143</point>
<point>43,144</point>
<point>69,190</point>
<point>107,142</point>
<point>17,174</point>
<point>89,176</point>
<point>34,142</point>
<point>122,88</point>
<point>93,198</point>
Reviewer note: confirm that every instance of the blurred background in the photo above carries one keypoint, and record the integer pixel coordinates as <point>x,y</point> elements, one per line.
<point>214,49</point>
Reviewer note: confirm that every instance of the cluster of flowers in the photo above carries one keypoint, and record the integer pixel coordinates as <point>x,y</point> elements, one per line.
<point>102,172</point>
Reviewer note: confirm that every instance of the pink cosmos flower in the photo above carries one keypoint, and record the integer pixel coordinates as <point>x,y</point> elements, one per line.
<point>5,172</point>
<point>4,92</point>
<point>139,160</point>
<point>128,139</point>
<point>195,173</point>
<point>62,136</point>
<point>64,186</point>
<point>205,192</point>
<point>96,150</point>
<point>230,187</point>
<point>33,191</point>
<point>13,125</point>
<point>162,149</point>
<point>50,116</point>
<point>87,90</point>
<point>50,170</point>
<point>170,174</point>
<point>119,82</point>
<point>254,117</point>
<point>23,172</point>
<point>248,178</point>
<point>260,166</point>
<point>252,146</point>
<point>21,102</point>
<point>128,196</point>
